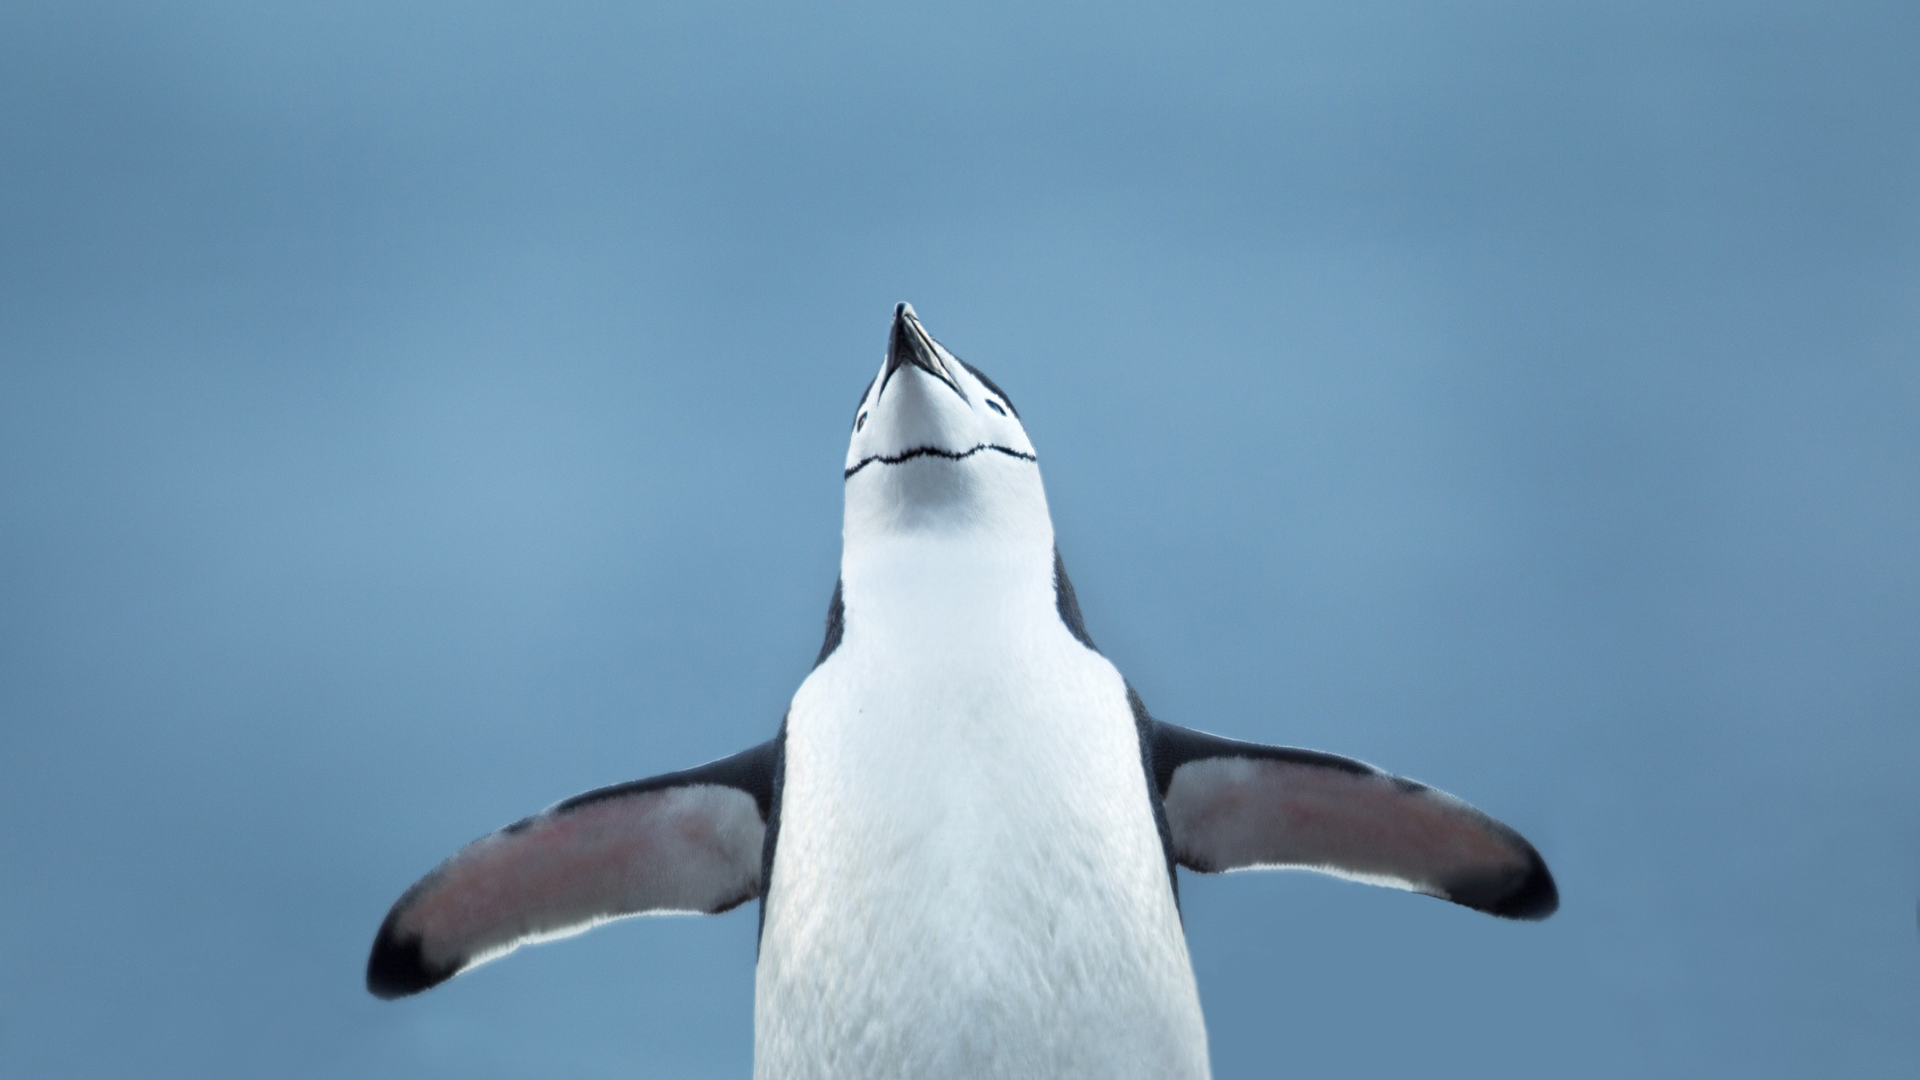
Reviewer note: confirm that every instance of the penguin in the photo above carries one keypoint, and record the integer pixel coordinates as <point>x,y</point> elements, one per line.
<point>966,833</point>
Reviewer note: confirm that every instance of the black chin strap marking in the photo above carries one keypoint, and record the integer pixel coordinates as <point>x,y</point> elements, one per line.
<point>935,451</point>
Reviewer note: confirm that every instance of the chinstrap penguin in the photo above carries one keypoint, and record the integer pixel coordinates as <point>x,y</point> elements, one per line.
<point>966,830</point>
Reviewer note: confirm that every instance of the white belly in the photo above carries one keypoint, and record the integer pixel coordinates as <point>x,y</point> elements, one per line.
<point>968,880</point>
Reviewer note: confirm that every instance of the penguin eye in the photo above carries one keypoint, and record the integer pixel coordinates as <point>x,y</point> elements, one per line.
<point>860,421</point>
<point>995,406</point>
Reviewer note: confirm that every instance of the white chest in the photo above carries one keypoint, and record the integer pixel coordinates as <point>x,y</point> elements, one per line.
<point>968,879</point>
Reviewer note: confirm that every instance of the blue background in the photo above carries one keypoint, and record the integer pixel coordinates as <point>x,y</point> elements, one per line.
<point>415,413</point>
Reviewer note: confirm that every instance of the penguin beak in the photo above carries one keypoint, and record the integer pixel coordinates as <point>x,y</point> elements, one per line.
<point>909,345</point>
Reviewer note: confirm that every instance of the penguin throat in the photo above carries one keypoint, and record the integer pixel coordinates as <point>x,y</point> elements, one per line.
<point>989,493</point>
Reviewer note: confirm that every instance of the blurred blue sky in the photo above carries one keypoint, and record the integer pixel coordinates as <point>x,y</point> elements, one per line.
<point>414,413</point>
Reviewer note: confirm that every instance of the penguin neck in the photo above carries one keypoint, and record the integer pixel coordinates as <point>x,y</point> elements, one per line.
<point>935,546</point>
<point>985,498</point>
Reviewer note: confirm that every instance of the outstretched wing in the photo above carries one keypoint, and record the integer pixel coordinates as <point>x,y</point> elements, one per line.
<point>1234,805</point>
<point>684,842</point>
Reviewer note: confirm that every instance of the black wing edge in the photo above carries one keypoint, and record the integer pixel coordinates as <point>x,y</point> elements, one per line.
<point>1529,895</point>
<point>397,967</point>
<point>1535,897</point>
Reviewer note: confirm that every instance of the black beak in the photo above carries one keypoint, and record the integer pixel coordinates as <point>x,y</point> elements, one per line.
<point>908,343</point>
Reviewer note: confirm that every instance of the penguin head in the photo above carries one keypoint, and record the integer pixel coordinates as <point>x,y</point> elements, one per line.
<point>935,443</point>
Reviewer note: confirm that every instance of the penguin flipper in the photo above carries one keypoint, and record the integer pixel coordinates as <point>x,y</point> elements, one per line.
<point>683,842</point>
<point>1234,805</point>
